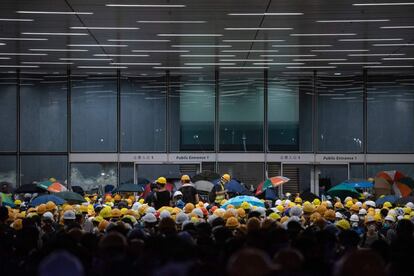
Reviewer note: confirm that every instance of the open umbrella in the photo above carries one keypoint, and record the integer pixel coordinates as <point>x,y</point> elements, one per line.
<point>233,186</point>
<point>238,200</point>
<point>6,200</point>
<point>342,191</point>
<point>56,188</point>
<point>29,188</point>
<point>45,198</point>
<point>206,175</point>
<point>124,188</point>
<point>274,182</point>
<point>71,197</point>
<point>45,184</point>
<point>170,187</point>
<point>308,196</point>
<point>78,190</point>
<point>203,185</point>
<point>390,198</point>
<point>404,200</point>
<point>359,184</point>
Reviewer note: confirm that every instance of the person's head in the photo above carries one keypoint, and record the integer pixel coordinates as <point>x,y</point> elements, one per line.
<point>185,179</point>
<point>4,187</point>
<point>161,182</point>
<point>69,217</point>
<point>225,178</point>
<point>178,195</point>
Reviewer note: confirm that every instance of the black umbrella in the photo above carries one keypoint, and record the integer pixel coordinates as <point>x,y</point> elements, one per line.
<point>78,190</point>
<point>206,175</point>
<point>404,200</point>
<point>124,188</point>
<point>29,188</point>
<point>71,197</point>
<point>308,196</point>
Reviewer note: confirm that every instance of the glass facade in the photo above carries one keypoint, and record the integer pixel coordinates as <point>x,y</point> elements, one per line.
<point>94,114</point>
<point>38,168</point>
<point>143,109</point>
<point>8,112</point>
<point>8,169</point>
<point>192,112</point>
<point>241,113</point>
<point>340,113</point>
<point>43,111</point>
<point>93,176</point>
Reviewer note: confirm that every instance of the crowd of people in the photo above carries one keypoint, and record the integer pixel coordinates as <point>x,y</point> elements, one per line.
<point>178,234</point>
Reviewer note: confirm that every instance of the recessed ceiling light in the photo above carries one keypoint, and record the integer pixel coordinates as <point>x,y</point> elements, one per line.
<point>311,67</point>
<point>96,45</point>
<point>266,14</point>
<point>190,35</point>
<point>55,12</point>
<point>249,51</point>
<point>331,34</point>
<point>354,63</point>
<point>218,55</point>
<point>171,21</point>
<point>245,67</point>
<point>46,62</point>
<point>393,45</point>
<point>397,27</point>
<point>384,4</point>
<point>257,29</point>
<point>22,54</point>
<point>390,66</point>
<point>279,63</point>
<point>253,40</point>
<point>89,59</point>
<point>346,50</point>
<point>145,6</point>
<point>369,39</point>
<point>19,66</point>
<point>319,59</point>
<point>200,46</point>
<point>22,39</point>
<point>352,20</point>
<point>135,63</point>
<point>4,58</point>
<point>104,28</point>
<point>209,63</point>
<point>68,34</point>
<point>59,50</point>
<point>119,55</point>
<point>178,67</point>
<point>302,46</point>
<point>16,20</point>
<point>374,55</point>
<point>250,60</point>
<point>305,55</point>
<point>102,67</point>
<point>160,51</point>
<point>139,40</point>
<point>401,58</point>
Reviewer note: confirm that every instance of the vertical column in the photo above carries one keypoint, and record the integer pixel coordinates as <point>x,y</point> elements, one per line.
<point>118,121</point>
<point>315,115</point>
<point>216,116</point>
<point>365,119</point>
<point>265,118</point>
<point>18,128</point>
<point>167,113</point>
<point>69,123</point>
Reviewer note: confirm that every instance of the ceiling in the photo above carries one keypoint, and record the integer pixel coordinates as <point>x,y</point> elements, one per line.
<point>300,43</point>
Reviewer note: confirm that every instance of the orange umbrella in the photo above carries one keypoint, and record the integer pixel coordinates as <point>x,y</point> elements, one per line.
<point>56,188</point>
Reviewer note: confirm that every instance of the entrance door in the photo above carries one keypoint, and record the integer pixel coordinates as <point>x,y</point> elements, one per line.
<point>329,176</point>
<point>172,172</point>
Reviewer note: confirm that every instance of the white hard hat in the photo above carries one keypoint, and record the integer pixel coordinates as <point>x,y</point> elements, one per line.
<point>362,212</point>
<point>178,193</point>
<point>339,215</point>
<point>354,218</point>
<point>149,218</point>
<point>390,218</point>
<point>409,205</point>
<point>370,203</point>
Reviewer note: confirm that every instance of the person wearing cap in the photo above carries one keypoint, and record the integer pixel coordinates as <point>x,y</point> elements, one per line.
<point>371,232</point>
<point>355,225</point>
<point>69,218</point>
<point>178,199</point>
<point>218,192</point>
<point>162,197</point>
<point>388,228</point>
<point>190,194</point>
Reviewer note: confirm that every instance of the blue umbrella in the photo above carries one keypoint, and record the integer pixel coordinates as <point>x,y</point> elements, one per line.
<point>238,200</point>
<point>233,186</point>
<point>45,198</point>
<point>359,184</point>
<point>390,198</point>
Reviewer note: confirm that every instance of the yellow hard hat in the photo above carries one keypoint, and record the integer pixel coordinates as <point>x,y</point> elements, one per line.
<point>161,180</point>
<point>105,212</point>
<point>230,206</point>
<point>17,224</point>
<point>316,202</point>
<point>387,205</point>
<point>308,207</point>
<point>41,209</point>
<point>224,201</point>
<point>98,219</point>
<point>298,200</point>
<point>188,208</point>
<point>343,224</point>
<point>280,208</point>
<point>226,177</point>
<point>124,211</point>
<point>241,213</point>
<point>232,222</point>
<point>83,209</point>
<point>116,213</point>
<point>117,197</point>
<point>185,177</point>
<point>18,202</point>
<point>349,204</point>
<point>274,216</point>
<point>354,207</point>
<point>102,225</point>
<point>245,205</point>
<point>338,205</point>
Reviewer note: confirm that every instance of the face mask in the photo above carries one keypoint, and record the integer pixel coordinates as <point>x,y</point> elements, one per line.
<point>386,226</point>
<point>355,224</point>
<point>372,227</point>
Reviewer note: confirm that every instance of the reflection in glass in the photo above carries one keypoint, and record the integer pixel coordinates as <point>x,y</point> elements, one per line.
<point>126,173</point>
<point>241,111</point>
<point>192,105</point>
<point>92,176</point>
<point>94,116</point>
<point>42,167</point>
<point>43,111</point>
<point>249,173</point>
<point>143,108</point>
<point>406,169</point>
<point>390,113</point>
<point>8,169</point>
<point>8,108</point>
<point>290,113</point>
<point>340,113</point>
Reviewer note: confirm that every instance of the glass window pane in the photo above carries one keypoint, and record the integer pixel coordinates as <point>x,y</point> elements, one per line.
<point>241,111</point>
<point>41,168</point>
<point>8,169</point>
<point>356,171</point>
<point>192,105</point>
<point>91,176</point>
<point>340,113</point>
<point>8,109</point>
<point>406,169</point>
<point>290,113</point>
<point>390,113</point>
<point>143,108</point>
<point>249,173</point>
<point>43,111</point>
<point>94,114</point>
<point>126,173</point>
